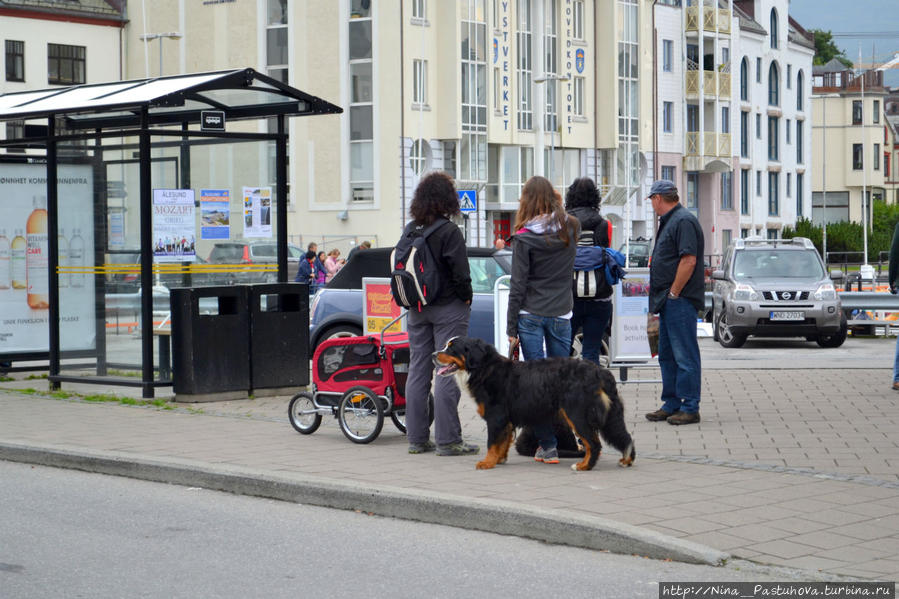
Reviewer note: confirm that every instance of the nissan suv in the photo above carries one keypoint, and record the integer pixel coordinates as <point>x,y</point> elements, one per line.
<point>775,288</point>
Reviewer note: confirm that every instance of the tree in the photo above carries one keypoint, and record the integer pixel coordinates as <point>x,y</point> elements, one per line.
<point>826,49</point>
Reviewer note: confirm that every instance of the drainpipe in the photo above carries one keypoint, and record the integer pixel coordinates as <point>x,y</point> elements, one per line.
<point>655,94</point>
<point>402,125</point>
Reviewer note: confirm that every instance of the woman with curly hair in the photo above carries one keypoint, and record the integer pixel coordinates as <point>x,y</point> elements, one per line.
<point>592,314</point>
<point>543,249</point>
<point>440,320</point>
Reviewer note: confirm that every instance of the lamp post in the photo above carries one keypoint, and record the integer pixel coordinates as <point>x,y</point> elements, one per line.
<point>542,116</point>
<point>148,37</point>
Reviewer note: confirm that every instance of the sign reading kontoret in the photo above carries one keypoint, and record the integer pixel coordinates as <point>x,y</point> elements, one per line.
<point>24,261</point>
<point>630,342</point>
<point>174,239</point>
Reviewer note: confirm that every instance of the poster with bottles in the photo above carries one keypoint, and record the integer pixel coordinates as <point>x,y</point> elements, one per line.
<point>24,259</point>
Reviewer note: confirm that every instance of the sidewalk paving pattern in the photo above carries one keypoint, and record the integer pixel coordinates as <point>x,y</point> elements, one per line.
<point>796,468</point>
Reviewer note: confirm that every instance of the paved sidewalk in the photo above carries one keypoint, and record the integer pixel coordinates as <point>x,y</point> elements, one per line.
<point>797,468</point>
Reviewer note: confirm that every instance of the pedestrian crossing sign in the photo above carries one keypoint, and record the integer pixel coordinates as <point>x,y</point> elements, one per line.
<point>468,200</point>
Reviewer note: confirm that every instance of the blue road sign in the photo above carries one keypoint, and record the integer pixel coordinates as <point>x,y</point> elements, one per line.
<point>468,200</point>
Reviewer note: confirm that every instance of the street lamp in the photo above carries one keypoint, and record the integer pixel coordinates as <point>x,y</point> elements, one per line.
<point>552,134</point>
<point>148,37</point>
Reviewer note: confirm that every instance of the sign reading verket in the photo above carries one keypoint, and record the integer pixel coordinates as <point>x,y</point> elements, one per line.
<point>212,120</point>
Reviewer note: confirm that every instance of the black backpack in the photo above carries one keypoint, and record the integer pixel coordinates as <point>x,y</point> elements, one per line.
<point>415,276</point>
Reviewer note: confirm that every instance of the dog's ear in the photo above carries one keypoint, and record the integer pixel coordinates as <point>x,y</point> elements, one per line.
<point>476,354</point>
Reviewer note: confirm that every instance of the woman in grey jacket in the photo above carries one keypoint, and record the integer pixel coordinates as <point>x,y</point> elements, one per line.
<point>540,299</point>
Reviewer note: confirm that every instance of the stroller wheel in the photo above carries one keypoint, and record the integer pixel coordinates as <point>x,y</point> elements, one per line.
<point>360,414</point>
<point>302,413</point>
<point>399,415</point>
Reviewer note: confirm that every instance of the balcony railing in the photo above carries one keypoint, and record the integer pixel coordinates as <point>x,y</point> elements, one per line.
<point>713,83</point>
<point>724,145</point>
<point>691,84</point>
<point>714,144</point>
<point>712,18</point>
<point>709,18</point>
<point>692,148</point>
<point>724,18</point>
<point>724,85</point>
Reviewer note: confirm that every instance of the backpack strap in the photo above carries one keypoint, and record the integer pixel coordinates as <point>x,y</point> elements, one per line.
<point>438,222</point>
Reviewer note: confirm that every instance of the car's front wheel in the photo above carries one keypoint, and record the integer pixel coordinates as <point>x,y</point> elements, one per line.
<point>837,339</point>
<point>726,336</point>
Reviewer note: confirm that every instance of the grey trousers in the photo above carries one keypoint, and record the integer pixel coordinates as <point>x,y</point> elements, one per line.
<point>429,330</point>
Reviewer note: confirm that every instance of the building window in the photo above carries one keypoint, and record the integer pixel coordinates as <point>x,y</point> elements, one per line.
<point>857,157</point>
<point>758,126</point>
<point>772,233</point>
<point>693,192</point>
<point>744,80</point>
<point>276,53</point>
<point>525,105</point>
<point>789,76</point>
<point>876,157</point>
<point>744,134</point>
<point>420,156</point>
<point>628,73</point>
<point>361,106</point>
<point>758,70</point>
<point>65,64</point>
<point>773,141</point>
<point>578,96</point>
<point>550,63</point>
<point>667,55</point>
<point>15,60</point>
<point>727,192</point>
<point>577,20</point>
<point>727,236</point>
<point>773,193</point>
<point>15,130</point>
<point>744,192</point>
<point>667,113</point>
<point>800,191</point>
<point>773,29</point>
<point>758,183</point>
<point>420,9</point>
<point>788,131</point>
<point>875,112</point>
<point>669,173</point>
<point>473,146</point>
<point>725,119</point>
<point>789,185</point>
<point>800,91</point>
<point>420,82</point>
<point>799,142</point>
<point>773,85</point>
<point>856,112</point>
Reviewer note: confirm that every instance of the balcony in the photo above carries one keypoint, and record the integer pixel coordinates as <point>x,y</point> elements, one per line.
<point>712,19</point>
<point>714,145</point>
<point>712,82</point>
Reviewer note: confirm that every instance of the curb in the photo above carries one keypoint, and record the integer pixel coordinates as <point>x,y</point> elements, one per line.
<point>498,517</point>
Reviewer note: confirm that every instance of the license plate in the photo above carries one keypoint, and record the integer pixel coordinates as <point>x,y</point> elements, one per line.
<point>787,315</point>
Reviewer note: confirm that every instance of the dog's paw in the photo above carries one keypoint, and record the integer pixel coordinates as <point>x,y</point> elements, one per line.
<point>625,462</point>
<point>485,465</point>
<point>580,467</point>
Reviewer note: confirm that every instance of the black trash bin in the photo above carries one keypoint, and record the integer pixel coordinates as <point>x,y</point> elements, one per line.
<point>279,337</point>
<point>210,343</point>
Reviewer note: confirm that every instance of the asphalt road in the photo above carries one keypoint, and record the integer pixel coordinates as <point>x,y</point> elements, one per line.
<point>73,534</point>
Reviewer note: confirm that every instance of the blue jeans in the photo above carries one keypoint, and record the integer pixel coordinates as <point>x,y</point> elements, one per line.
<point>593,316</point>
<point>533,330</point>
<point>679,357</point>
<point>896,363</point>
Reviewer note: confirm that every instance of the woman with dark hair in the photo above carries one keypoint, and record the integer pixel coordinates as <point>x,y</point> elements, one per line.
<point>591,313</point>
<point>543,249</point>
<point>432,325</point>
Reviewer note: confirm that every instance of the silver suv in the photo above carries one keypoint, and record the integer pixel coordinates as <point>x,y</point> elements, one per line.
<point>775,288</point>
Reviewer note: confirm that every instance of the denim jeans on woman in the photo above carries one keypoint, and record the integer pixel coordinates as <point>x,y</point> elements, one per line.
<point>679,358</point>
<point>593,317</point>
<point>533,330</point>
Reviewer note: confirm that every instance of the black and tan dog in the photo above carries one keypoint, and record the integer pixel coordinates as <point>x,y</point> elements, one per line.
<point>511,394</point>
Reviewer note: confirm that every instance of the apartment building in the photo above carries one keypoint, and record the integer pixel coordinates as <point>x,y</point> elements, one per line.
<point>848,142</point>
<point>891,158</point>
<point>55,42</point>
<point>734,86</point>
<point>492,91</point>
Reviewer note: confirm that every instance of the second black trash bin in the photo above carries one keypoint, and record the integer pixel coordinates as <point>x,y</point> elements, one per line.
<point>210,343</point>
<point>279,336</point>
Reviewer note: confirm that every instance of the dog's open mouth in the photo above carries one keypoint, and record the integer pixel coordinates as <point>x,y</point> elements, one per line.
<point>446,369</point>
<point>446,364</point>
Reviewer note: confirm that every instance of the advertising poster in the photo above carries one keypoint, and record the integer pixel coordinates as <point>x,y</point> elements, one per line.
<point>215,214</point>
<point>174,239</point>
<point>631,307</point>
<point>24,259</point>
<point>379,308</point>
<point>257,212</point>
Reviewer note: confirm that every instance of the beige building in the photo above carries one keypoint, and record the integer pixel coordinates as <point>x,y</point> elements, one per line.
<point>454,85</point>
<point>848,142</point>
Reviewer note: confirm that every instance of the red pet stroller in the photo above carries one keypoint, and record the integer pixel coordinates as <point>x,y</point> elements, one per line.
<point>359,380</point>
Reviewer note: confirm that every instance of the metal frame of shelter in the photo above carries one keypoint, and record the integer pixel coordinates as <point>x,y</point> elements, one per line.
<point>92,113</point>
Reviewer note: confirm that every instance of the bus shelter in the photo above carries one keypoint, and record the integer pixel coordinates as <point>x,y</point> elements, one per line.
<point>113,193</point>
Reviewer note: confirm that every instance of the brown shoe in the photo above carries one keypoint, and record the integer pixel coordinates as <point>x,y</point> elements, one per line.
<point>684,418</point>
<point>896,386</point>
<point>658,416</point>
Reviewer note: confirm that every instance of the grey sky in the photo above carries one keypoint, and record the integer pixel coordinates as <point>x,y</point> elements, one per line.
<point>844,16</point>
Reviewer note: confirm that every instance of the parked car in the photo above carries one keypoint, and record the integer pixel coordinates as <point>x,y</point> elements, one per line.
<point>129,282</point>
<point>640,250</point>
<point>241,253</point>
<point>336,309</point>
<point>775,288</point>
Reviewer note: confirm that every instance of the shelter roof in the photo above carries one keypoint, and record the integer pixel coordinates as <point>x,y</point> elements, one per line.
<point>240,93</point>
